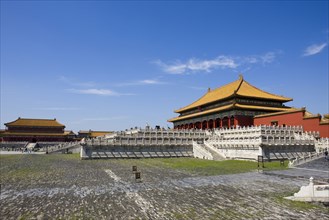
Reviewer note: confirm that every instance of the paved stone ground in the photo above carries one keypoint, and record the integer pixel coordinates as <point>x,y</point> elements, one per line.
<point>105,189</point>
<point>2,152</point>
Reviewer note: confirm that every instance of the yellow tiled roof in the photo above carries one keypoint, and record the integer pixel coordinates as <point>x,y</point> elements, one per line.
<point>99,133</point>
<point>308,114</point>
<point>84,132</point>
<point>225,108</point>
<point>95,133</point>
<point>240,88</point>
<point>69,133</point>
<point>35,122</point>
<point>284,111</point>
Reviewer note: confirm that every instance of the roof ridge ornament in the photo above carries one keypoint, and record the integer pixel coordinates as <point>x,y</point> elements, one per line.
<point>240,76</point>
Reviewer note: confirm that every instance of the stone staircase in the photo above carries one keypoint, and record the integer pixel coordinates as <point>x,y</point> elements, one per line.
<point>201,150</point>
<point>214,153</point>
<point>31,146</point>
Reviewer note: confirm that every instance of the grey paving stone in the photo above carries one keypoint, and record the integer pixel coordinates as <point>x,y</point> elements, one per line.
<point>106,189</point>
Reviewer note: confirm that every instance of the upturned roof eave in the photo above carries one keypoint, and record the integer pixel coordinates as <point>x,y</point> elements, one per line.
<point>12,123</point>
<point>195,107</point>
<point>234,95</point>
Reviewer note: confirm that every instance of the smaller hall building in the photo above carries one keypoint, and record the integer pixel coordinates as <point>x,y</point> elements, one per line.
<point>36,130</point>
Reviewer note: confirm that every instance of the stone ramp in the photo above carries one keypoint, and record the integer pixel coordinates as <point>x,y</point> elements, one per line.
<point>318,169</point>
<point>65,148</point>
<point>317,164</point>
<point>306,158</point>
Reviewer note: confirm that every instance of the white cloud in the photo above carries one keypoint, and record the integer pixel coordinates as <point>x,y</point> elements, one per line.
<point>314,49</point>
<point>268,57</point>
<point>198,88</point>
<point>105,119</point>
<point>222,62</point>
<point>101,92</point>
<point>76,83</point>
<point>149,81</point>
<point>142,82</point>
<point>194,65</point>
<point>57,109</point>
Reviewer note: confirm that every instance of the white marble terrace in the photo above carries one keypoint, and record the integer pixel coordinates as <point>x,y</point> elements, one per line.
<point>273,142</point>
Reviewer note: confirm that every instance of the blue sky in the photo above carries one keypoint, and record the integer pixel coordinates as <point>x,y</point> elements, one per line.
<point>111,65</point>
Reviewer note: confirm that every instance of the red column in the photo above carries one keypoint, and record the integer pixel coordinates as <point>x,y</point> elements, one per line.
<point>195,125</point>
<point>221,123</point>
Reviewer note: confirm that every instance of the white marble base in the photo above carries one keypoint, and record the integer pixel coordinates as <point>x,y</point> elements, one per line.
<point>312,193</point>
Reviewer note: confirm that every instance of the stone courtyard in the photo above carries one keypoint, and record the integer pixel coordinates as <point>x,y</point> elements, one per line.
<point>64,187</point>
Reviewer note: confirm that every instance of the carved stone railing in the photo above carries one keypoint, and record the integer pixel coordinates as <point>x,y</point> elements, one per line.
<point>60,147</point>
<point>322,144</point>
<point>305,158</point>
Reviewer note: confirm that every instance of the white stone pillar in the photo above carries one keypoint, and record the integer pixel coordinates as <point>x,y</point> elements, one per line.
<point>311,187</point>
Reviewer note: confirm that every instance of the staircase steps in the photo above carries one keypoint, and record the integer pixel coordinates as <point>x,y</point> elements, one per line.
<point>215,155</point>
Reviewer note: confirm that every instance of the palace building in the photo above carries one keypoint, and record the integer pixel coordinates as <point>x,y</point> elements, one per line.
<point>36,130</point>
<point>241,104</point>
<point>230,105</point>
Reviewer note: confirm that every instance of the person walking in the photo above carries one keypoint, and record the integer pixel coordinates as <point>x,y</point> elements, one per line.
<point>326,155</point>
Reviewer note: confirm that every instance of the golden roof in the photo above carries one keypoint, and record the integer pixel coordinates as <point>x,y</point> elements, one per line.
<point>324,121</point>
<point>83,132</point>
<point>35,122</point>
<point>287,111</point>
<point>69,133</point>
<point>99,133</point>
<point>95,133</point>
<point>309,115</point>
<point>226,107</point>
<point>239,87</point>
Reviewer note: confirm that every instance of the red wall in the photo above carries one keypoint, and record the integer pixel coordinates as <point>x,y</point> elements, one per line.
<point>243,120</point>
<point>295,118</point>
